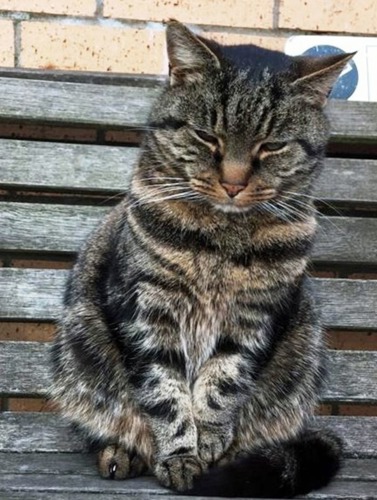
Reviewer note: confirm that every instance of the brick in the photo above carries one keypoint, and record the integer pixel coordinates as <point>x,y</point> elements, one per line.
<point>329,15</point>
<point>363,341</point>
<point>6,43</point>
<point>363,276</point>
<point>72,8</point>
<point>92,48</point>
<point>358,410</point>
<point>36,332</point>
<point>123,136</point>
<point>324,409</point>
<point>41,264</point>
<point>238,13</point>
<point>267,42</point>
<point>30,404</point>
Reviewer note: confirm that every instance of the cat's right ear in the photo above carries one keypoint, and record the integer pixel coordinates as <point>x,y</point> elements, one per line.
<point>189,57</point>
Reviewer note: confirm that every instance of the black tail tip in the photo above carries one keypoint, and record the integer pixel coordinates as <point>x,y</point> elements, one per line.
<point>319,457</point>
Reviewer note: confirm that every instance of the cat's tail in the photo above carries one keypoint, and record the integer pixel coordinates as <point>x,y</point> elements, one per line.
<point>294,468</point>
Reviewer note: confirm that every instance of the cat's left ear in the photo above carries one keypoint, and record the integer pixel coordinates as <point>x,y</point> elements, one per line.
<point>189,57</point>
<point>317,75</point>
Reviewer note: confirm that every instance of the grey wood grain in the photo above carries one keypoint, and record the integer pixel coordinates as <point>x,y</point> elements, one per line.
<point>352,374</point>
<point>347,180</point>
<point>65,167</point>
<point>352,377</point>
<point>47,432</point>
<point>56,102</point>
<point>70,464</point>
<point>62,229</point>
<point>355,469</point>
<point>106,169</point>
<point>75,483</point>
<point>83,495</point>
<point>85,464</point>
<point>147,487</point>
<point>48,102</point>
<point>338,490</point>
<point>36,294</point>
<point>347,303</point>
<point>352,121</point>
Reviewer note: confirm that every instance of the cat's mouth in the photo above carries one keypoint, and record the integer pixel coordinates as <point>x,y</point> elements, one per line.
<point>235,198</point>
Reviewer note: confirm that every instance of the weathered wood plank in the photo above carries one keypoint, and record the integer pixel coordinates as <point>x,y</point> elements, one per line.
<point>78,104</point>
<point>66,167</point>
<point>47,432</point>
<point>148,488</point>
<point>352,121</point>
<point>85,464</point>
<point>56,102</point>
<point>62,229</point>
<point>106,169</point>
<point>36,294</point>
<point>347,181</point>
<point>74,476</point>
<point>76,483</point>
<point>336,491</point>
<point>352,377</point>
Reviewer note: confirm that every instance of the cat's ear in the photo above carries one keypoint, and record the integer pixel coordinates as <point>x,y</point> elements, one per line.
<point>317,75</point>
<point>188,56</point>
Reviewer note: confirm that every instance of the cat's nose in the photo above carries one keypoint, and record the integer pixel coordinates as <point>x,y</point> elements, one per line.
<point>233,189</point>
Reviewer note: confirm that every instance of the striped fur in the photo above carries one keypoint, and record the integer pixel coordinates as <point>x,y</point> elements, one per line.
<point>190,335</point>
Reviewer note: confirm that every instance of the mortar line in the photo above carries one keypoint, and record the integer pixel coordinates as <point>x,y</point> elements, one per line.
<point>99,8</point>
<point>275,14</point>
<point>17,43</point>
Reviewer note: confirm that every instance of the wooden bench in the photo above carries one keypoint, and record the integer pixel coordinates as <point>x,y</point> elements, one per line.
<point>54,192</point>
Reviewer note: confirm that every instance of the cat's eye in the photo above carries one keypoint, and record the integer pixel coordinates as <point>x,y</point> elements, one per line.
<point>272,146</point>
<point>204,136</point>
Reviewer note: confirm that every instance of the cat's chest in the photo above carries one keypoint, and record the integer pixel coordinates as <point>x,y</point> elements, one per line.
<point>208,315</point>
<point>201,326</point>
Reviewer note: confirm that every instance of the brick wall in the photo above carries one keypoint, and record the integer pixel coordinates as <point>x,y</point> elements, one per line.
<point>126,36</point>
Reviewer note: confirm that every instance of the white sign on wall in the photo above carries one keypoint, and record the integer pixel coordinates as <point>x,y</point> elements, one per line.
<point>358,81</point>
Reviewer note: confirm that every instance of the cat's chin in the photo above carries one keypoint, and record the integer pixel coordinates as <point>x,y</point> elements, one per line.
<point>233,209</point>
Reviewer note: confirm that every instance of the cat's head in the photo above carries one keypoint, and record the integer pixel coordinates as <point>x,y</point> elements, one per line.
<point>235,139</point>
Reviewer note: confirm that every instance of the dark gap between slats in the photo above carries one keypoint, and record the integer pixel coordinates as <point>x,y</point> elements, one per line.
<point>33,404</point>
<point>352,150</point>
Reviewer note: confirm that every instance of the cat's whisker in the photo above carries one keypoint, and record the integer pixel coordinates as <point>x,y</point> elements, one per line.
<point>315,199</point>
<point>329,220</point>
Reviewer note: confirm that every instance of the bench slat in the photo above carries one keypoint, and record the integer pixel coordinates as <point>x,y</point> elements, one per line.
<point>106,169</point>
<point>58,103</point>
<point>71,463</point>
<point>15,466</point>
<point>47,432</point>
<point>143,488</point>
<point>54,102</point>
<point>36,294</point>
<point>38,227</point>
<point>352,374</point>
<point>66,167</point>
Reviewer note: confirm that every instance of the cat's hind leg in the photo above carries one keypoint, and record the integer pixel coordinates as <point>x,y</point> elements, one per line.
<point>116,462</point>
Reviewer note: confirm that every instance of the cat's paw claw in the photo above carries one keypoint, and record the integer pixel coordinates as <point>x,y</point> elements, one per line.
<point>115,462</point>
<point>179,472</point>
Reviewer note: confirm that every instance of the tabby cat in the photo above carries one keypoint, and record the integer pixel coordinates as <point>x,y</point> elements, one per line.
<point>190,336</point>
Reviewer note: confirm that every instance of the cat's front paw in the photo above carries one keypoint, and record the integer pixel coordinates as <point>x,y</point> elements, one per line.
<point>179,472</point>
<point>213,442</point>
<point>115,462</point>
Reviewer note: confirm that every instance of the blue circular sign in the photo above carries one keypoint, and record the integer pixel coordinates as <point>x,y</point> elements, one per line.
<point>347,82</point>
